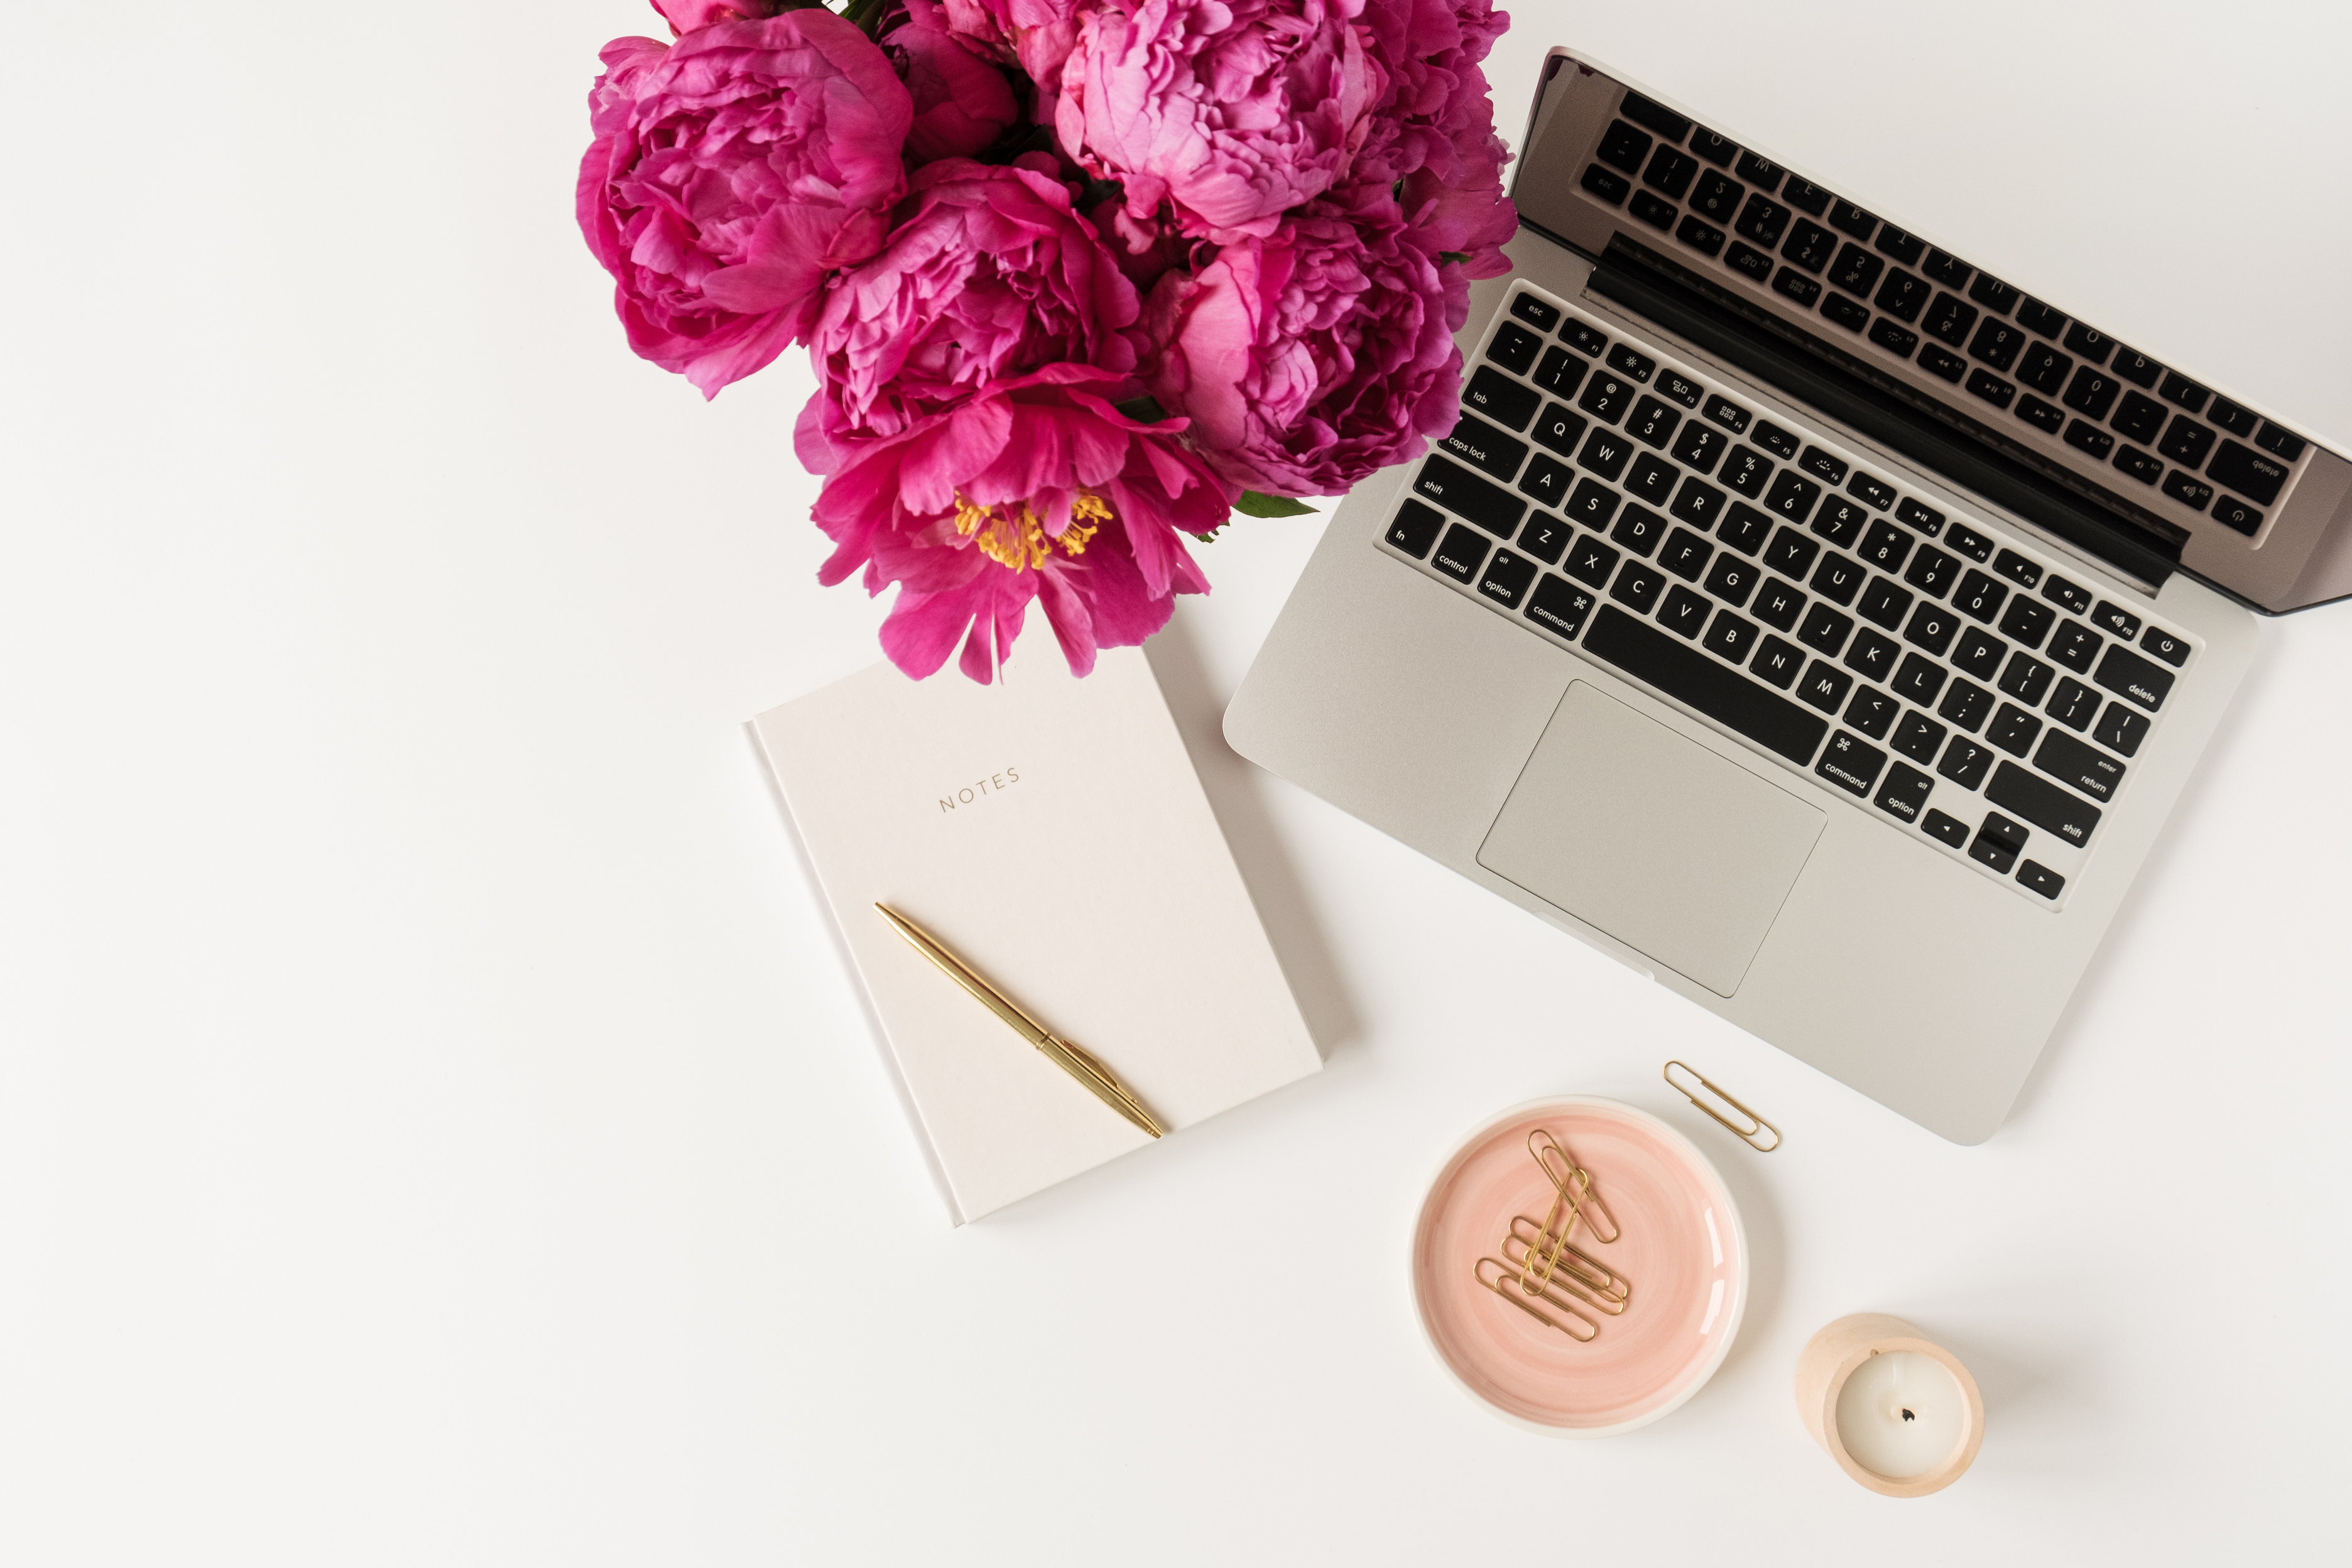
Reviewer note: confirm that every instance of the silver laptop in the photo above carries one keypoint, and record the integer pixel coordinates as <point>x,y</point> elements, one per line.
<point>1798,613</point>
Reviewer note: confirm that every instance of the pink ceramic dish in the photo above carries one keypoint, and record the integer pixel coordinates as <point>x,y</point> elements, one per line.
<point>1681,1249</point>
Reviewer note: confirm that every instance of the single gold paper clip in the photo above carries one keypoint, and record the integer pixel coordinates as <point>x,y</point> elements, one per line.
<point>1518,1295</point>
<point>1565,1175</point>
<point>1577,1270</point>
<point>1747,1134</point>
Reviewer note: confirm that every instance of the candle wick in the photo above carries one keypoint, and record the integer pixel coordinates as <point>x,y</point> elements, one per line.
<point>1908,1416</point>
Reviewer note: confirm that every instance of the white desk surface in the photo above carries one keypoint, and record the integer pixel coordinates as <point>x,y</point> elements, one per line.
<point>435,1124</point>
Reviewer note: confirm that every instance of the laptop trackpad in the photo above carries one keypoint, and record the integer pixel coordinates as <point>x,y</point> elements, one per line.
<point>1676,853</point>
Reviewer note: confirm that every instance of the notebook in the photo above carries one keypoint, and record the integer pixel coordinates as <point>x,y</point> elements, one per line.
<point>1051,832</point>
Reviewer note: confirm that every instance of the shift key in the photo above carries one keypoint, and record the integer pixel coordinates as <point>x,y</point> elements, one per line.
<point>2042,804</point>
<point>1465,494</point>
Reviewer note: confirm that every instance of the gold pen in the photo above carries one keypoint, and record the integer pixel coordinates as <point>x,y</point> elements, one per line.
<point>1072,1059</point>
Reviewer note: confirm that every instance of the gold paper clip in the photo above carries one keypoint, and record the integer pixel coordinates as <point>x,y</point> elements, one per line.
<point>1518,1296</point>
<point>1579,1271</point>
<point>1746,1134</point>
<point>1587,1207</point>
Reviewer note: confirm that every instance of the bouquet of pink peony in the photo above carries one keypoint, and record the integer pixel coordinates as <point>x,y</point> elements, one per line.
<point>1079,278</point>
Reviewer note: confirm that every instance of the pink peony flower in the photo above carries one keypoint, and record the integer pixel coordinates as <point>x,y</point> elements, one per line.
<point>1038,488</point>
<point>962,103</point>
<point>990,275</point>
<point>1314,357</point>
<point>685,16</point>
<point>1236,110</point>
<point>1430,146</point>
<point>1035,34</point>
<point>730,172</point>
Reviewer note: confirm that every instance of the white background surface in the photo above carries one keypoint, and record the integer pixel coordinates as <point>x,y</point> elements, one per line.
<point>435,1124</point>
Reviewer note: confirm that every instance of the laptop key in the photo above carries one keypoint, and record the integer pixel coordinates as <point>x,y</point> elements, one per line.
<point>1999,842</point>
<point>1824,685</point>
<point>2135,367</point>
<point>1717,195</point>
<point>1980,596</point>
<point>1652,478</point>
<point>2027,679</point>
<point>2120,730</point>
<point>1837,579</point>
<point>1623,147</point>
<point>1594,504</point>
<point>1932,627</point>
<point>2139,416</point>
<point>1902,245</point>
<point>1950,320</point>
<point>2237,421</point>
<point>2076,647</point>
<point>2059,591</point>
<point>1591,562</point>
<point>2040,318</point>
<point>1652,422</point>
<point>1991,388</point>
<point>1544,537</point>
<point>1761,220</point>
<point>1918,737</point>
<point>1918,681</point>
<point>2279,441</point>
<point>2073,704</point>
<point>1872,711</point>
<point>2045,369</point>
<point>2173,651</point>
<point>1700,448</point>
<point>1465,494</point>
<point>1486,448</point>
<point>1805,194</point>
<point>1966,763</point>
<point>2231,512</point>
<point>1979,653</point>
<point>1904,792</point>
<point>1874,493</point>
<point>1671,172</point>
<point>1699,235</point>
<point>1638,530</point>
<point>1539,314</point>
<point>1969,542</point>
<point>1848,218</point>
<point>2013,730</point>
<point>1966,706</point>
<point>1760,172</point>
<point>2134,679</point>
<point>1656,116</point>
<point>1684,612</point>
<point>1931,571</point>
<point>1793,496</point>
<point>1778,604</point>
<point>1855,271</point>
<point>2139,464</point>
<point>1723,694</point>
<point>2028,621</point>
<point>2043,804</point>
<point>2046,418</point>
<point>1731,579</point>
<point>1559,605</point>
<point>1500,398</point>
<point>1606,397</point>
<point>1841,523</point>
<point>2249,474</point>
<point>1850,764</point>
<point>1506,578</point>
<point>2040,879</point>
<point>1547,479</point>
<point>2094,346</point>
<point>1790,552</point>
<point>1903,296</point>
<point>1732,637</point>
<point>1887,546</point>
<point>1415,529</point>
<point>1744,528</point>
<point>1885,604</point>
<point>1777,662</point>
<point>2092,393</point>
<point>1604,452</point>
<point>1651,209</point>
<point>1796,286</point>
<point>1560,430</point>
<point>1638,585</point>
<point>1950,830</point>
<point>1845,312</point>
<point>1560,375</point>
<point>2087,768</point>
<point>1460,553</point>
<point>2187,442</point>
<point>1727,414</point>
<point>1745,259</point>
<point>1514,348</point>
<point>1872,655</point>
<point>1698,505</point>
<point>1583,338</point>
<point>2025,573</point>
<point>1685,554</point>
<point>1926,518</point>
<point>1997,343</point>
<point>1824,630</point>
<point>2115,620</point>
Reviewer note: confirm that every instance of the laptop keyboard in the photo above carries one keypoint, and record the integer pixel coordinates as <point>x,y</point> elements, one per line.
<point>1881,292</point>
<point>1949,675</point>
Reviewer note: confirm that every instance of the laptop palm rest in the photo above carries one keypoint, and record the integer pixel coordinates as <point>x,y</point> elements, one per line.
<point>1677,853</point>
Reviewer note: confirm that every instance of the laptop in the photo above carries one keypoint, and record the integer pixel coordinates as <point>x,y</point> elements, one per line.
<point>1798,613</point>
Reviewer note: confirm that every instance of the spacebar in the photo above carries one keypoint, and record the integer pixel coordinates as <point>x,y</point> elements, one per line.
<point>1686,674</point>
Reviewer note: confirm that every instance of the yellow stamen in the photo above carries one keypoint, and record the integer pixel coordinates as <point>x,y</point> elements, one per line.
<point>1017,537</point>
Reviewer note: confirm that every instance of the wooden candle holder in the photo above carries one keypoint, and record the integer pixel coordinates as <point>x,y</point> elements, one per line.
<point>1831,1356</point>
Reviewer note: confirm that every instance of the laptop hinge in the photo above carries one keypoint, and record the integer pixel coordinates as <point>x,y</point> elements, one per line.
<point>1942,440</point>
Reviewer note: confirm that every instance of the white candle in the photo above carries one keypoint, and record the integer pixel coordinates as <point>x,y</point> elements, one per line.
<point>1901,1413</point>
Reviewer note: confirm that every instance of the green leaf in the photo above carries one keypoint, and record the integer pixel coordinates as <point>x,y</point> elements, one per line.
<point>1144,410</point>
<point>1255,504</point>
<point>1098,192</point>
<point>1454,257</point>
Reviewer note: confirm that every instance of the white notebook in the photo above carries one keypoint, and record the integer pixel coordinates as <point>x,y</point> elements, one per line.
<point>1050,832</point>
